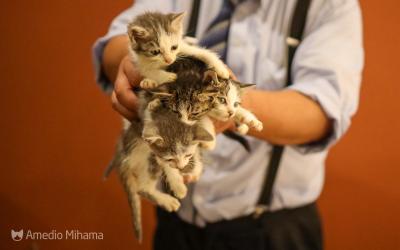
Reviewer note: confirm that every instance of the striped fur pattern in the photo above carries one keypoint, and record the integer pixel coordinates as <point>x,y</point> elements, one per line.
<point>168,148</point>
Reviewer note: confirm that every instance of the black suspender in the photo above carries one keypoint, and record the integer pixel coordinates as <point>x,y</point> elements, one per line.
<point>194,16</point>
<point>293,40</point>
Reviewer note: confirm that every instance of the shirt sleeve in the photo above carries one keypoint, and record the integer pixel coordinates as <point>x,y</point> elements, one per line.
<point>327,67</point>
<point>118,27</point>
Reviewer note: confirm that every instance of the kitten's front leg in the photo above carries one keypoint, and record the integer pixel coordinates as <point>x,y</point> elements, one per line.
<point>155,78</point>
<point>208,125</point>
<point>175,182</point>
<point>165,201</point>
<point>242,128</point>
<point>195,173</point>
<point>152,105</point>
<point>207,56</point>
<point>243,116</point>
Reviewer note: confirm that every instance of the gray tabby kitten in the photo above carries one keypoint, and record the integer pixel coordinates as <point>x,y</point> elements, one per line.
<point>167,147</point>
<point>156,41</point>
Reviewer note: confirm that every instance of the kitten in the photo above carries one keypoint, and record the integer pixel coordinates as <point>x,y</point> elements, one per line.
<point>199,92</point>
<point>156,41</point>
<point>167,147</point>
<point>188,97</point>
<point>228,105</point>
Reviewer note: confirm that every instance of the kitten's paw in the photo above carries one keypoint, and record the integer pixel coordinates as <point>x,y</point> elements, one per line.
<point>210,145</point>
<point>243,129</point>
<point>154,104</point>
<point>180,190</point>
<point>221,70</point>
<point>189,178</point>
<point>170,204</point>
<point>256,124</point>
<point>147,83</point>
<point>170,77</point>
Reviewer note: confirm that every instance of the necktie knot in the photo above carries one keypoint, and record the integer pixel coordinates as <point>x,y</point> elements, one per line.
<point>216,35</point>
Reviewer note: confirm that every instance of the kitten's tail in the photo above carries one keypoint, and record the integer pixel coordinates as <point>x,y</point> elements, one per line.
<point>108,170</point>
<point>116,161</point>
<point>135,205</point>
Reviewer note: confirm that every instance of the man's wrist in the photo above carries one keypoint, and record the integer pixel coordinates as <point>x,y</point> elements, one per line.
<point>115,50</point>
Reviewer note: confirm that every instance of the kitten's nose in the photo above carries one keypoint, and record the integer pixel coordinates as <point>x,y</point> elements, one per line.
<point>230,113</point>
<point>168,60</point>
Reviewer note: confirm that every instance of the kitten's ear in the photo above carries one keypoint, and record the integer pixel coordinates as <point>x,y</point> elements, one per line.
<point>243,85</point>
<point>151,136</point>
<point>155,140</point>
<point>202,135</point>
<point>177,21</point>
<point>210,76</point>
<point>137,33</point>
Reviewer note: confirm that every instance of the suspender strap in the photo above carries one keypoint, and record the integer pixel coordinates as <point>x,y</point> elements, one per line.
<point>296,32</point>
<point>192,28</point>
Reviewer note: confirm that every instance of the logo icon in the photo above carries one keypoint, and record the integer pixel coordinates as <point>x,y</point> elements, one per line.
<point>17,235</point>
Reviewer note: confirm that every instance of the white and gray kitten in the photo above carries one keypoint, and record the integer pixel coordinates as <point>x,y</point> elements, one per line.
<point>227,105</point>
<point>156,41</point>
<point>168,148</point>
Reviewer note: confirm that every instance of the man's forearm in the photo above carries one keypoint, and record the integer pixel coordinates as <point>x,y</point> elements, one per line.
<point>289,117</point>
<point>115,50</point>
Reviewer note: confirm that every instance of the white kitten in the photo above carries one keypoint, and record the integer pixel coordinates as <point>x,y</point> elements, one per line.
<point>156,41</point>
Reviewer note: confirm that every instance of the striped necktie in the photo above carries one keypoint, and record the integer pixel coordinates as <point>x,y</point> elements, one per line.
<point>216,36</point>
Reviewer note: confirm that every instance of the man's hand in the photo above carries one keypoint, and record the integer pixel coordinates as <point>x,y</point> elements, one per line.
<point>121,71</point>
<point>123,99</point>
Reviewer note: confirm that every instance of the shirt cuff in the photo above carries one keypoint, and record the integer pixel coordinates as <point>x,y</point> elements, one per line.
<point>326,95</point>
<point>97,52</point>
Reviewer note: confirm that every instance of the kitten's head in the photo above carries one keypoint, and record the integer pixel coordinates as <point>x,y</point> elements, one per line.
<point>174,143</point>
<point>228,99</point>
<point>190,101</point>
<point>157,36</point>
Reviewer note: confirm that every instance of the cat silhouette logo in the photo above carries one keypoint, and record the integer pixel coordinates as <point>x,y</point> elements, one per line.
<point>17,235</point>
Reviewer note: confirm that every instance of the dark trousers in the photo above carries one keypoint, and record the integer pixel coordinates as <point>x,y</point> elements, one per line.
<point>287,229</point>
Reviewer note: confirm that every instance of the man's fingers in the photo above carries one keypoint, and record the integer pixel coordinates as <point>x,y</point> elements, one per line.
<point>128,114</point>
<point>124,93</point>
<point>132,74</point>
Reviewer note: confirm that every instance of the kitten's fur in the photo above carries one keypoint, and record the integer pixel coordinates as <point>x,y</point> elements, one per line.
<point>198,92</point>
<point>167,147</point>
<point>228,105</point>
<point>156,41</point>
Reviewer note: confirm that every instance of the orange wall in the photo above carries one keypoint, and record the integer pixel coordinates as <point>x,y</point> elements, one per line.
<point>58,133</point>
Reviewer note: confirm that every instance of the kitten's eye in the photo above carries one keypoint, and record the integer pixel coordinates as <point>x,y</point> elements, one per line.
<point>222,100</point>
<point>188,155</point>
<point>174,47</point>
<point>169,160</point>
<point>236,104</point>
<point>155,52</point>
